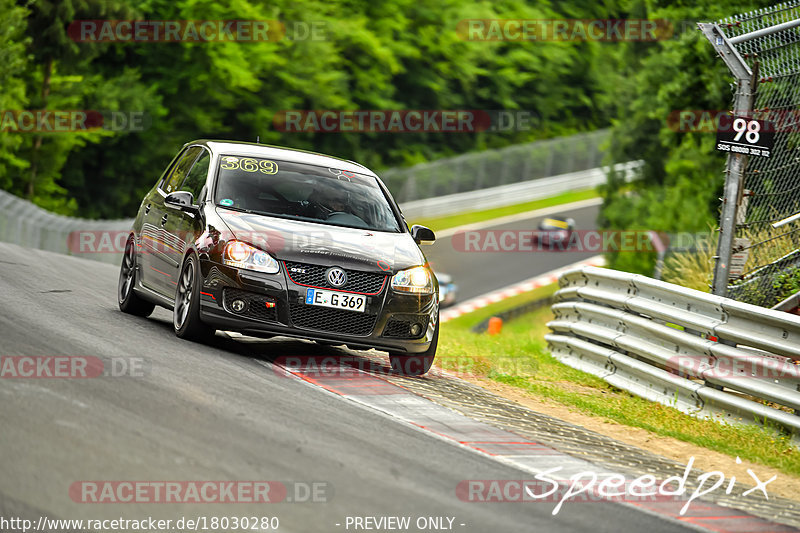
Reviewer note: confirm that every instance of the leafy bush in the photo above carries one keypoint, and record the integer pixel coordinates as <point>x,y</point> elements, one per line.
<point>787,283</point>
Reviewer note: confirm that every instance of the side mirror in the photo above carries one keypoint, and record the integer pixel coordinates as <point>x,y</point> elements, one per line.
<point>182,200</point>
<point>422,234</point>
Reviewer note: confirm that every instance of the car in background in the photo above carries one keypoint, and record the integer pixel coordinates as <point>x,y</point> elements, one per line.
<point>554,233</point>
<point>448,291</point>
<point>272,241</point>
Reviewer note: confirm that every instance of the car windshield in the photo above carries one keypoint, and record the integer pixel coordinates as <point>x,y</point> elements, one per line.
<point>303,192</point>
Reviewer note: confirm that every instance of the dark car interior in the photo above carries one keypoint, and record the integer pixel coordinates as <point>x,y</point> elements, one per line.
<point>307,195</point>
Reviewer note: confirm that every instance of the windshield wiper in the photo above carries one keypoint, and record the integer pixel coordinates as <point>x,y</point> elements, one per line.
<point>241,209</point>
<point>292,216</point>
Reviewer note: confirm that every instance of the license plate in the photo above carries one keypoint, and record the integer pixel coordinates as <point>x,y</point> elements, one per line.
<point>336,300</point>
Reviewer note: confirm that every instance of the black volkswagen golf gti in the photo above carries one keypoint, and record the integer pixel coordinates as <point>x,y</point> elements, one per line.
<point>273,241</point>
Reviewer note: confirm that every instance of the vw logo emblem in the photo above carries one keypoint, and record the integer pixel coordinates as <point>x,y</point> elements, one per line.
<point>337,277</point>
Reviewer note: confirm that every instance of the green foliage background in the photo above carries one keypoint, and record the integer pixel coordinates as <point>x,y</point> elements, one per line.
<point>402,54</point>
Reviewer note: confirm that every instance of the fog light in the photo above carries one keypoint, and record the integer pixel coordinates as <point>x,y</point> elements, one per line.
<point>237,306</point>
<point>416,329</point>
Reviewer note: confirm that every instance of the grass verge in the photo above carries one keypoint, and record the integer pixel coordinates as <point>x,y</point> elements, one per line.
<point>519,357</point>
<point>452,221</point>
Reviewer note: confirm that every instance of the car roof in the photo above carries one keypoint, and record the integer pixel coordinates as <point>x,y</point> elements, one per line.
<point>557,222</point>
<point>282,154</point>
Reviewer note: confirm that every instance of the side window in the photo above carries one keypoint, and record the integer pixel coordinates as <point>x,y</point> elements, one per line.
<point>183,165</point>
<point>196,178</point>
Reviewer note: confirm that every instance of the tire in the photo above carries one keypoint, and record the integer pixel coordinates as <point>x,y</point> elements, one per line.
<point>186,311</point>
<point>130,302</point>
<point>417,364</point>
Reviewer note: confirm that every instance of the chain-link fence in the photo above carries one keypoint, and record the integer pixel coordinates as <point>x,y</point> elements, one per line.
<point>768,43</point>
<point>490,168</point>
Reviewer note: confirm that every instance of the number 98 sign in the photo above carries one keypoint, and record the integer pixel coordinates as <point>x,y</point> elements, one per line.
<point>746,136</point>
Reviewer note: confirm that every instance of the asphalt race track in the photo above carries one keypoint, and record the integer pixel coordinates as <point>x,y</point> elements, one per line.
<point>478,273</point>
<point>219,412</point>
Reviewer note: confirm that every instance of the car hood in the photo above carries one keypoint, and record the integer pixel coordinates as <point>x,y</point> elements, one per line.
<point>307,242</point>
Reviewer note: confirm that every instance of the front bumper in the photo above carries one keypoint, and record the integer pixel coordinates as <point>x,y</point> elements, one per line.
<point>275,305</point>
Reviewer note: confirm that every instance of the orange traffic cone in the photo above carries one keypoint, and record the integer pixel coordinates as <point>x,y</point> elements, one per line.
<point>495,325</point>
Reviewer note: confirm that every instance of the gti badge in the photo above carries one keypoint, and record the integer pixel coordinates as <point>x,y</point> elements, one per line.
<point>336,277</point>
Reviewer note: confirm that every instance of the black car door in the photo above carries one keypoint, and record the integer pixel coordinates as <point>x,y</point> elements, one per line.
<point>159,261</point>
<point>182,228</point>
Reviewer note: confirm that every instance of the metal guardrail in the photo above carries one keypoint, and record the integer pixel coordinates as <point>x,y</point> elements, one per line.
<point>23,223</point>
<point>790,304</point>
<point>703,354</point>
<point>516,193</point>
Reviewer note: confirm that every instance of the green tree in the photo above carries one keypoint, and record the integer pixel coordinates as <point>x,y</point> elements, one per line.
<point>405,54</point>
<point>649,84</point>
<point>14,63</point>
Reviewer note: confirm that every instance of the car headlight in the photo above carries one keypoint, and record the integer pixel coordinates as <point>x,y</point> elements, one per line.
<point>417,280</point>
<point>241,255</point>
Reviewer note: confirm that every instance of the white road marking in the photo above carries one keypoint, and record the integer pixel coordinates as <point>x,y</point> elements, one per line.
<point>479,302</point>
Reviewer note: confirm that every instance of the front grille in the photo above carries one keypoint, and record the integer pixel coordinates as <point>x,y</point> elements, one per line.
<point>332,320</point>
<point>315,276</point>
<point>399,326</point>
<point>256,304</point>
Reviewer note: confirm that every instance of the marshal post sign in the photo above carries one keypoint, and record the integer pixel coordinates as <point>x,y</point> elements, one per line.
<point>744,135</point>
